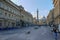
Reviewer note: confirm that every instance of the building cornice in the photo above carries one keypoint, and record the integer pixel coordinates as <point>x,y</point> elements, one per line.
<point>12,4</point>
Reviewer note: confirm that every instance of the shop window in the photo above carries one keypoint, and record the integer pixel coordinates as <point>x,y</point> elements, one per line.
<point>13,24</point>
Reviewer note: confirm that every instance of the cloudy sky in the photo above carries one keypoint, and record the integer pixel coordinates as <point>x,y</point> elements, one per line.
<point>44,6</point>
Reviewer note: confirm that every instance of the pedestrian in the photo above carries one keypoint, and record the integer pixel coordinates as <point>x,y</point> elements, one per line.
<point>55,32</point>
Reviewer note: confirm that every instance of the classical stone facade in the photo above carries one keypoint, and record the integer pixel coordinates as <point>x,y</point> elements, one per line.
<point>56,11</point>
<point>11,15</point>
<point>26,17</point>
<point>42,21</point>
<point>54,14</point>
<point>8,14</point>
<point>50,17</point>
<point>34,21</point>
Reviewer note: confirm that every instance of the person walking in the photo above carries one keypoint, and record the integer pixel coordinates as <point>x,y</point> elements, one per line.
<point>55,32</point>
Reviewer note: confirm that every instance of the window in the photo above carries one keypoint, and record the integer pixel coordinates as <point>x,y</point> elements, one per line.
<point>12,15</point>
<point>13,24</point>
<point>5,14</point>
<point>22,16</point>
<point>14,11</point>
<point>0,12</point>
<point>9,15</point>
<point>11,10</point>
<point>8,8</point>
<point>5,7</point>
<point>8,23</point>
<point>28,18</point>
<point>1,4</point>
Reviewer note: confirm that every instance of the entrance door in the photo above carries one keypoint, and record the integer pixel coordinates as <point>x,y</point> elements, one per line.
<point>13,24</point>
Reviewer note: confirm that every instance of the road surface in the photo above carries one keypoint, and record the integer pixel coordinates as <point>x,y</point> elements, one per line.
<point>41,33</point>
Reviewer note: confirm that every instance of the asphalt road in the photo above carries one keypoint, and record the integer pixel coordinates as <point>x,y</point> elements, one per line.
<point>36,33</point>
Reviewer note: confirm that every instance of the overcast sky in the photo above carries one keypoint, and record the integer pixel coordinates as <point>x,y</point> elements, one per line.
<point>44,6</point>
